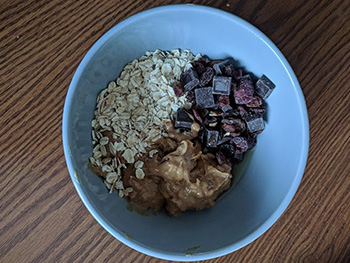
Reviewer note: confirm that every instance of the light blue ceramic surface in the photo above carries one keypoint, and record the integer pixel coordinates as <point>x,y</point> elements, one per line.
<point>275,167</point>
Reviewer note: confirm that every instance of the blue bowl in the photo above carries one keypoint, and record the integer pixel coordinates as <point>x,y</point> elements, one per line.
<point>271,173</point>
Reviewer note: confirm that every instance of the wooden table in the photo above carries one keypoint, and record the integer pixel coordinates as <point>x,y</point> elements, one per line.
<point>41,44</point>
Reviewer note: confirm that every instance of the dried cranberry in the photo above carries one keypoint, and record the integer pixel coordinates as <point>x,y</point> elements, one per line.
<point>258,111</point>
<point>197,116</point>
<point>179,89</point>
<point>242,111</point>
<point>228,127</point>
<point>223,100</point>
<point>256,102</point>
<point>237,123</point>
<point>244,92</point>
<point>240,143</point>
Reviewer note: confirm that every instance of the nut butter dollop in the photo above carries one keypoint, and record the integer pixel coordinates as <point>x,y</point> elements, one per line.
<point>180,176</point>
<point>191,180</point>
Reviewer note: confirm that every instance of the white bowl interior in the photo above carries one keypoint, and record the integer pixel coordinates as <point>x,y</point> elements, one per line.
<point>275,166</point>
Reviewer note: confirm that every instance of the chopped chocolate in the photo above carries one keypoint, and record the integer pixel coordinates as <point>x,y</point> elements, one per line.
<point>191,85</point>
<point>228,149</point>
<point>224,140</point>
<point>211,138</point>
<point>190,96</point>
<point>240,143</point>
<point>220,157</point>
<point>179,90</point>
<point>255,123</point>
<point>221,85</point>
<point>204,97</point>
<point>198,66</point>
<point>203,112</point>
<point>206,76</point>
<point>226,108</point>
<point>260,111</point>
<point>219,67</point>
<point>264,86</point>
<point>183,119</point>
<point>244,92</point>
<point>189,79</point>
<point>197,116</point>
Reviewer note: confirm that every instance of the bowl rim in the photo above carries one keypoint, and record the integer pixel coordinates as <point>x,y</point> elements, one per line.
<point>300,170</point>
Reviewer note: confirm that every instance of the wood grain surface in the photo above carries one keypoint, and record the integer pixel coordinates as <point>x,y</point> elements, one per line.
<point>41,44</point>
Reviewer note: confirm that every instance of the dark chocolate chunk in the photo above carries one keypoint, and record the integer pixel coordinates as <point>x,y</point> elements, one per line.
<point>264,86</point>
<point>260,111</point>
<point>244,92</point>
<point>219,67</point>
<point>201,136</point>
<point>204,97</point>
<point>240,143</point>
<point>198,66</point>
<point>191,85</point>
<point>182,119</point>
<point>206,76</point>
<point>190,96</point>
<point>179,90</point>
<point>222,85</point>
<point>220,157</point>
<point>224,140</point>
<point>228,149</point>
<point>226,108</point>
<point>203,113</point>
<point>255,123</point>
<point>228,127</point>
<point>211,138</point>
<point>189,79</point>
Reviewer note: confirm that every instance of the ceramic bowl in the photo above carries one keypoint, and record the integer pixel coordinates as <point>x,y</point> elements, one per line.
<point>271,173</point>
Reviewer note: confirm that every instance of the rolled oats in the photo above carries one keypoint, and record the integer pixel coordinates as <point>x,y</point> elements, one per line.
<point>133,109</point>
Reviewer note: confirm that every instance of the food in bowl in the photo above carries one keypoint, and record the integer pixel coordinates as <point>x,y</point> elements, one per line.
<point>168,131</point>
